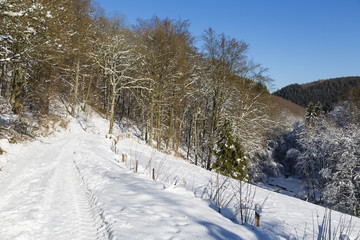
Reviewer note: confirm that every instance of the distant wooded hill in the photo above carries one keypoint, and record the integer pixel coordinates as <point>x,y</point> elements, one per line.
<point>328,92</point>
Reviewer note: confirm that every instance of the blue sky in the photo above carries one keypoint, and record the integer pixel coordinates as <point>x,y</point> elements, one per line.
<point>298,40</point>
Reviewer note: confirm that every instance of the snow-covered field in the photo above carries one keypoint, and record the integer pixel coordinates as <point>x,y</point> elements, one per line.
<point>73,186</point>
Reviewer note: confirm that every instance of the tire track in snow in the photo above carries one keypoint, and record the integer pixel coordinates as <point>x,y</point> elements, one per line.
<point>104,228</point>
<point>87,217</point>
<point>71,204</point>
<point>47,199</point>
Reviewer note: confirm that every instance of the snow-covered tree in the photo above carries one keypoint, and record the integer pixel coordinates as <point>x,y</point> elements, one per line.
<point>342,191</point>
<point>24,42</point>
<point>263,165</point>
<point>314,151</point>
<point>118,58</point>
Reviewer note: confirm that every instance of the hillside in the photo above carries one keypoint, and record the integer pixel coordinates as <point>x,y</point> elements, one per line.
<point>74,185</point>
<point>286,105</point>
<point>328,92</point>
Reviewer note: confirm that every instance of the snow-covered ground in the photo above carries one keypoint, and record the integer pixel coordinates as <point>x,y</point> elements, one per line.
<point>73,186</point>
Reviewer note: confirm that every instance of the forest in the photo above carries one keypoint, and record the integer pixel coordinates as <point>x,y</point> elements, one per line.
<point>329,92</point>
<point>186,100</point>
<point>151,73</point>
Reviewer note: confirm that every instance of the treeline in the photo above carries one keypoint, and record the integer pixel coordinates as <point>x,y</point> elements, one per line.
<point>151,73</point>
<point>329,92</point>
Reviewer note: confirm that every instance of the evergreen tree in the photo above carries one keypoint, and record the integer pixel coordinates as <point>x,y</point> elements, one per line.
<point>230,159</point>
<point>310,112</point>
<point>318,109</point>
<point>313,112</point>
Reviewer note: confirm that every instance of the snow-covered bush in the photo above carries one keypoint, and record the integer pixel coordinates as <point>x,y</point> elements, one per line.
<point>262,165</point>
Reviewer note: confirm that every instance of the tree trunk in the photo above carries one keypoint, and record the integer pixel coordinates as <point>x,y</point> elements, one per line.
<point>76,86</point>
<point>88,92</point>
<point>151,119</point>
<point>3,77</point>
<point>142,123</point>
<point>108,98</point>
<point>112,108</point>
<point>122,106</point>
<point>17,91</point>
<point>129,106</point>
<point>211,144</point>
<point>208,161</point>
<point>214,123</point>
<point>147,128</point>
<point>170,127</point>
<point>13,87</point>
<point>159,129</point>
<point>204,130</point>
<point>195,139</point>
<point>189,139</point>
<point>3,80</point>
<point>155,122</point>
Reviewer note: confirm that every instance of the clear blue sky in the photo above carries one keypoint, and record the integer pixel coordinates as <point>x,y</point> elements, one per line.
<point>298,40</point>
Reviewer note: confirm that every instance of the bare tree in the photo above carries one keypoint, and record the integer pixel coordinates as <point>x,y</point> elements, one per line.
<point>119,59</point>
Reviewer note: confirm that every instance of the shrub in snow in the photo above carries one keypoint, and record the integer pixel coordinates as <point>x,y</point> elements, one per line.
<point>219,191</point>
<point>327,230</point>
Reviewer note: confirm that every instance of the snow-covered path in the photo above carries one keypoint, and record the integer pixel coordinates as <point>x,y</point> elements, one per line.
<point>42,196</point>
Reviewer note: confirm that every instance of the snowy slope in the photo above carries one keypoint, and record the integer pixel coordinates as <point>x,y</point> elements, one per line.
<point>73,186</point>
<point>282,215</point>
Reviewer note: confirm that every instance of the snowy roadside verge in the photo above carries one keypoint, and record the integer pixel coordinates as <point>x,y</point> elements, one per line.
<point>282,215</point>
<point>135,207</point>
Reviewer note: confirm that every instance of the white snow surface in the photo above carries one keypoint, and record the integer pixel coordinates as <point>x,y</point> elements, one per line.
<point>73,186</point>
